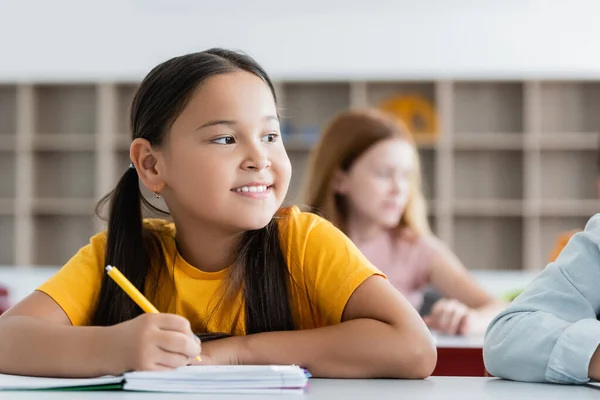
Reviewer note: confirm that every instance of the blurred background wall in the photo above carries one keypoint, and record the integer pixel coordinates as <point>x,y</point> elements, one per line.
<point>112,39</point>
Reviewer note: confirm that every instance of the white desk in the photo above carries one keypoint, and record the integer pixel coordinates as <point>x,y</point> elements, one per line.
<point>500,282</point>
<point>21,281</point>
<point>458,342</point>
<point>439,388</point>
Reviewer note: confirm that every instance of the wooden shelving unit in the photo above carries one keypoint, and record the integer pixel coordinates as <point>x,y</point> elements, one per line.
<point>515,163</point>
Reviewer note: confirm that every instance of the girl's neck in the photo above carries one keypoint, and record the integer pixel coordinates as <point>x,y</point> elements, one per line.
<point>362,230</point>
<point>207,248</point>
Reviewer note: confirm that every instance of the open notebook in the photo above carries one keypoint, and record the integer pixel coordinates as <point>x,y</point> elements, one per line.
<point>191,379</point>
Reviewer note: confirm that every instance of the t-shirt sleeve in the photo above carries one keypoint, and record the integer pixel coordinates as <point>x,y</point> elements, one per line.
<point>76,286</point>
<point>333,269</point>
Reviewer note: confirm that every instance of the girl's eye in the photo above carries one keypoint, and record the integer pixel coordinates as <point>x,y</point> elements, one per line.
<point>224,140</point>
<point>270,137</point>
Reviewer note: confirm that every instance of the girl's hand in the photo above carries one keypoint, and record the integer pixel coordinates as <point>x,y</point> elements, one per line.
<point>449,316</point>
<point>226,351</point>
<point>153,342</point>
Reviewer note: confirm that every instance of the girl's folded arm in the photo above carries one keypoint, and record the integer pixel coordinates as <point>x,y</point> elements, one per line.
<point>381,335</point>
<point>37,338</point>
<point>551,332</point>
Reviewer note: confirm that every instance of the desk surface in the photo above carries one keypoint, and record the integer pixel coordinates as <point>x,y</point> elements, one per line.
<point>458,342</point>
<point>433,388</point>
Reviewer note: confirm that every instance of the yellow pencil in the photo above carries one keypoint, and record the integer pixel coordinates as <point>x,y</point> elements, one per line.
<point>132,292</point>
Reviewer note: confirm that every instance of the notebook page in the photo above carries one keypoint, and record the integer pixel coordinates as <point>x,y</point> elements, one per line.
<point>18,382</point>
<point>220,372</point>
<point>220,379</point>
<point>221,390</point>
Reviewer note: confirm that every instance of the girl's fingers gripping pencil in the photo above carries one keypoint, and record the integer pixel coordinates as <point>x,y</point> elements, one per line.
<point>133,292</point>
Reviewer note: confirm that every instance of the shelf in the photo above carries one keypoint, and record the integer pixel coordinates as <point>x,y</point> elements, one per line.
<point>64,142</point>
<point>125,93</point>
<point>58,238</point>
<point>466,141</point>
<point>569,174</point>
<point>489,208</point>
<point>415,116</point>
<point>569,208</point>
<point>488,107</point>
<point>293,143</point>
<point>299,168</point>
<point>65,109</point>
<point>8,142</point>
<point>495,138</point>
<point>123,142</point>
<point>426,142</point>
<point>63,206</point>
<point>551,228</point>
<point>570,107</point>
<point>427,161</point>
<point>7,206</point>
<point>432,223</point>
<point>489,242</point>
<point>7,240</point>
<point>123,162</point>
<point>432,207</point>
<point>378,92</point>
<point>488,175</point>
<point>570,141</point>
<point>296,142</point>
<point>308,107</point>
<point>7,175</point>
<point>8,110</point>
<point>64,175</point>
<point>489,141</point>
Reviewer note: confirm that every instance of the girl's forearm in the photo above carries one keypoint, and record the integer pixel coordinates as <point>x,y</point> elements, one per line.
<point>361,348</point>
<point>30,346</point>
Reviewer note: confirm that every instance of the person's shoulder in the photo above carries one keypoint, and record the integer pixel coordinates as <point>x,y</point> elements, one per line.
<point>590,233</point>
<point>97,244</point>
<point>303,232</point>
<point>581,245</point>
<point>294,220</point>
<point>593,225</point>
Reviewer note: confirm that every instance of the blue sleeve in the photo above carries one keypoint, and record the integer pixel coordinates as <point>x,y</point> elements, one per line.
<point>550,332</point>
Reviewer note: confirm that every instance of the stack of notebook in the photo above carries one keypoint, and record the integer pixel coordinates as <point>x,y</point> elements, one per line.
<point>191,379</point>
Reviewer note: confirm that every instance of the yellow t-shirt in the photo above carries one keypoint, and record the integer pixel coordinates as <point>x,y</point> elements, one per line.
<point>324,264</point>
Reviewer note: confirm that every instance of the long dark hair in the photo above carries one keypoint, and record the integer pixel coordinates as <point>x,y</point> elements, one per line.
<point>260,270</point>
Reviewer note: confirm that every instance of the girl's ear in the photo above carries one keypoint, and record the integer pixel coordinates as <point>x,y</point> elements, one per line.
<point>147,163</point>
<point>340,182</point>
